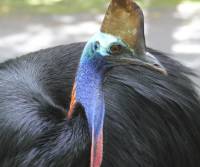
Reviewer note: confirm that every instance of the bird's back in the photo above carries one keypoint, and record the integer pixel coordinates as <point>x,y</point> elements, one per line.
<point>151,120</point>
<point>35,90</point>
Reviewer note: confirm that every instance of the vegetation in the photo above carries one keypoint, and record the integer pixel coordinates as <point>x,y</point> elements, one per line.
<point>68,6</point>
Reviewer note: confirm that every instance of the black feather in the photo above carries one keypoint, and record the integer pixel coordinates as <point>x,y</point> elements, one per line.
<point>151,120</point>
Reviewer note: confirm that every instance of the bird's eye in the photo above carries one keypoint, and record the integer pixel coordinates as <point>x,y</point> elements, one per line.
<point>116,49</point>
<point>96,45</point>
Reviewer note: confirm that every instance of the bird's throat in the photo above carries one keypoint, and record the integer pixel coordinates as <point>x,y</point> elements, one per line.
<point>88,92</point>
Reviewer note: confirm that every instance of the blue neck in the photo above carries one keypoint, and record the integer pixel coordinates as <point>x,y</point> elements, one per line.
<point>89,92</point>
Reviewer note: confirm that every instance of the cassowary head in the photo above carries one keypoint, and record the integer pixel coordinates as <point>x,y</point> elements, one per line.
<point>112,49</point>
<point>101,45</point>
<point>104,50</point>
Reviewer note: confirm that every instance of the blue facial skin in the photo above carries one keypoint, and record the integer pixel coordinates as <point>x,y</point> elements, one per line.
<point>99,46</point>
<point>90,75</point>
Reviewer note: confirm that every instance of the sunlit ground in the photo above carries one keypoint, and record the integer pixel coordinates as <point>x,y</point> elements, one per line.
<point>175,31</point>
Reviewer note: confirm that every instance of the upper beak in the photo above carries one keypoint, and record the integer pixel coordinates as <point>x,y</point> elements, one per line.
<point>148,61</point>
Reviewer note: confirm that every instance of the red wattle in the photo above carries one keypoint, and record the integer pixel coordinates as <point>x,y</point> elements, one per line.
<point>97,151</point>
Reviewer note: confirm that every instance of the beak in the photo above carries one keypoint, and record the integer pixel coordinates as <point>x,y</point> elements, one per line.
<point>148,61</point>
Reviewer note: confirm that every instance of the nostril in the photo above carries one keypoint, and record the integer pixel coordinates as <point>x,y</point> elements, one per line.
<point>156,65</point>
<point>96,45</point>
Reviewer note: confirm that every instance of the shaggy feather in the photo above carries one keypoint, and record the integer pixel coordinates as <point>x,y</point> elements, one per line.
<point>151,120</point>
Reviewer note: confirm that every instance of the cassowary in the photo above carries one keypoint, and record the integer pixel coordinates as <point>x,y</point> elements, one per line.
<point>111,102</point>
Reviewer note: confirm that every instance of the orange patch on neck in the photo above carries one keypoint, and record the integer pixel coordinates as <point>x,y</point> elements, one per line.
<point>72,103</point>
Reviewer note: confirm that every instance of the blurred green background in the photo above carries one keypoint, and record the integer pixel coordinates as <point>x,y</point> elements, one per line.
<point>172,26</point>
<point>71,6</point>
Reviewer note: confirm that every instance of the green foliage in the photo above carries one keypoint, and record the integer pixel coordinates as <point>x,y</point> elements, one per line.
<point>52,6</point>
<point>68,6</point>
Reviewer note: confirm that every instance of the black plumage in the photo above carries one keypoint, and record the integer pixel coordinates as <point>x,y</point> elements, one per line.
<point>151,120</point>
